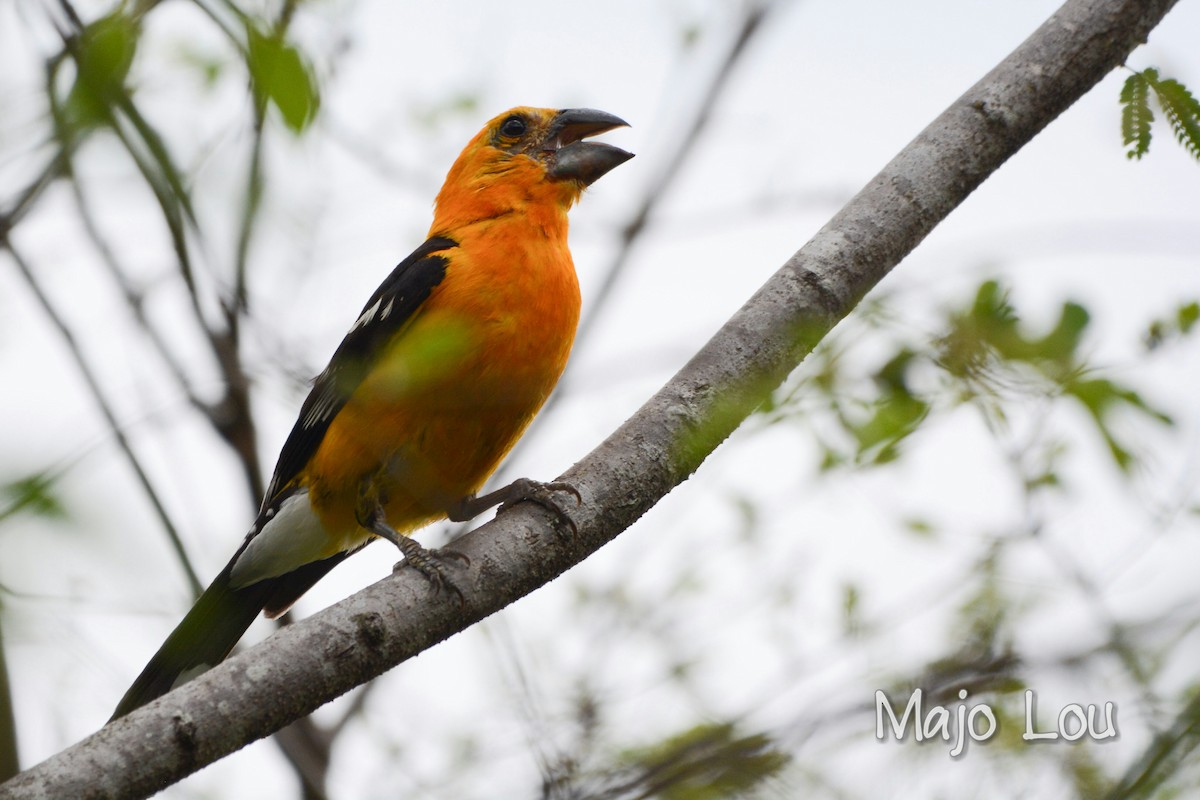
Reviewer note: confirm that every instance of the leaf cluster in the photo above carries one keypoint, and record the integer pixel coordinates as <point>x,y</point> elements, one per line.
<point>1181,109</point>
<point>981,353</point>
<point>706,762</point>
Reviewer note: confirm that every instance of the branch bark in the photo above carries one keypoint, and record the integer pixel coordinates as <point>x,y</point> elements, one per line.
<point>305,665</point>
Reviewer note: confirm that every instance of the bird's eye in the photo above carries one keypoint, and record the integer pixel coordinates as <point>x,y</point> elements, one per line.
<point>513,127</point>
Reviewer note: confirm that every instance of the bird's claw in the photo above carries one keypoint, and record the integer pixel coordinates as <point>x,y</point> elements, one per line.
<point>433,565</point>
<point>543,493</point>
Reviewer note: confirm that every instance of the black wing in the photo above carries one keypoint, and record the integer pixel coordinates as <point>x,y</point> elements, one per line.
<point>392,305</point>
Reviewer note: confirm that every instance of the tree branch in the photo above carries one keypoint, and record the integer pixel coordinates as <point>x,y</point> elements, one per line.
<point>307,664</point>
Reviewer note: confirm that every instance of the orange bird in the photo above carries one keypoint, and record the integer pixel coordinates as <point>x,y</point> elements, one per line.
<point>439,376</point>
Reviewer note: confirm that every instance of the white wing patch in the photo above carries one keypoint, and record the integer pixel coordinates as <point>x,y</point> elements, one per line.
<point>321,409</point>
<point>368,315</point>
<point>289,540</point>
<point>190,674</point>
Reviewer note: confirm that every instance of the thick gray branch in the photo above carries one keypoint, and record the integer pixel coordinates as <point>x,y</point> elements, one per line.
<point>305,665</point>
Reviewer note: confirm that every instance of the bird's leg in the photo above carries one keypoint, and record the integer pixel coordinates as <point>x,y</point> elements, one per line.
<point>518,491</point>
<point>430,563</point>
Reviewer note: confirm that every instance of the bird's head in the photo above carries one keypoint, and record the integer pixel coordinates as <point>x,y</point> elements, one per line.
<point>529,156</point>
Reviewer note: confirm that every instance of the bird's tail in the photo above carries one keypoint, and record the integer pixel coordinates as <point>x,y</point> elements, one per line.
<point>214,625</point>
<point>200,642</point>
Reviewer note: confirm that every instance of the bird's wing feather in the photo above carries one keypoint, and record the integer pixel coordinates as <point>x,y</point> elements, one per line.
<point>221,615</point>
<point>391,306</point>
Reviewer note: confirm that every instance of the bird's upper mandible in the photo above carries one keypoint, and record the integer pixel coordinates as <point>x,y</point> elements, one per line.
<point>527,155</point>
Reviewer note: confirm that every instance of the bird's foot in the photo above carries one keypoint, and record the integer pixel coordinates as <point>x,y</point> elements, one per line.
<point>545,495</point>
<point>519,491</point>
<point>433,564</point>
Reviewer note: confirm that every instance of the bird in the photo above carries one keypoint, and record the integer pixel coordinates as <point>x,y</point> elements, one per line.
<point>445,367</point>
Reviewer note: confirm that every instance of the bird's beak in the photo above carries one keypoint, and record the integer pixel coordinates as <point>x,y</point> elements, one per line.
<point>571,158</point>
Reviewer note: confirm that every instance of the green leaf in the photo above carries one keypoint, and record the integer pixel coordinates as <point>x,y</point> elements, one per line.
<point>1187,316</point>
<point>1061,344</point>
<point>1102,397</point>
<point>1136,115</point>
<point>707,762</point>
<point>975,335</point>
<point>1182,111</point>
<point>31,495</point>
<point>1045,480</point>
<point>281,76</point>
<point>1178,324</point>
<point>989,336</point>
<point>103,54</point>
<point>991,306</point>
<point>895,418</point>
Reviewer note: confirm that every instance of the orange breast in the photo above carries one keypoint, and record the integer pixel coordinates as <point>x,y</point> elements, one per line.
<point>456,388</point>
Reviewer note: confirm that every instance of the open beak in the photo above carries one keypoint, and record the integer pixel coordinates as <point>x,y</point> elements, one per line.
<point>571,158</point>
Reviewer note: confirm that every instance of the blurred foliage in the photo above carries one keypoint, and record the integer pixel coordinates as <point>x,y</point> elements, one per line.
<point>101,96</point>
<point>454,106</point>
<point>103,53</point>
<point>1174,326</point>
<point>209,66</point>
<point>282,76</point>
<point>707,762</point>
<point>33,494</point>
<point>852,616</point>
<point>864,398</point>
<point>1168,768</point>
<point>983,354</point>
<point>984,619</point>
<point>1181,109</point>
<point>865,395</point>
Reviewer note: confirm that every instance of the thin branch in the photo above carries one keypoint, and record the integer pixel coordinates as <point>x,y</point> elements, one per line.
<point>239,428</point>
<point>307,664</point>
<point>29,195</point>
<point>230,417</point>
<point>171,197</point>
<point>1163,758</point>
<point>231,33</point>
<point>135,301</point>
<point>110,417</point>
<point>307,747</point>
<point>252,205</point>
<point>9,763</point>
<point>167,188</point>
